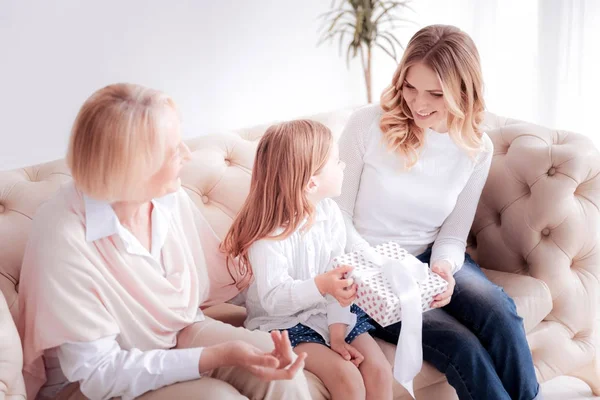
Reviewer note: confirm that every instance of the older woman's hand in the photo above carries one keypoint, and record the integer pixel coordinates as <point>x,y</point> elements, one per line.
<point>276,365</point>
<point>286,367</point>
<point>443,269</point>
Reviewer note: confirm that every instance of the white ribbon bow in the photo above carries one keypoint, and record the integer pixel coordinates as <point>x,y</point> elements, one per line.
<point>403,277</point>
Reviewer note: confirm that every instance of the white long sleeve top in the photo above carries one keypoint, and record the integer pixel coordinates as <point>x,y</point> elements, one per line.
<point>432,203</point>
<point>102,367</point>
<point>284,292</point>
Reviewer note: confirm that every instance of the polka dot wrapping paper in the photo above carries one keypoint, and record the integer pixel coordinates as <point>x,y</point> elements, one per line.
<point>375,294</point>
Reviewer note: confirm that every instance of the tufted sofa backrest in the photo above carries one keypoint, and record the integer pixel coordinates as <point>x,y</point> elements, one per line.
<point>217,178</point>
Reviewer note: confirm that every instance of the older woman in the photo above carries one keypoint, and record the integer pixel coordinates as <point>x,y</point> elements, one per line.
<point>118,265</point>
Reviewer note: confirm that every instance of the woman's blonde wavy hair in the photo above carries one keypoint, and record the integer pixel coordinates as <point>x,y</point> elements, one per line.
<point>452,54</point>
<point>288,155</point>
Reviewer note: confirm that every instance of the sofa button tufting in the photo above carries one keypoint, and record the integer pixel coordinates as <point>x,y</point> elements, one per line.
<point>546,232</point>
<point>551,171</point>
<point>2,208</point>
<point>205,199</point>
<point>227,162</point>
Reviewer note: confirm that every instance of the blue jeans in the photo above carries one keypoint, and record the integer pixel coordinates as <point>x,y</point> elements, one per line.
<point>477,340</point>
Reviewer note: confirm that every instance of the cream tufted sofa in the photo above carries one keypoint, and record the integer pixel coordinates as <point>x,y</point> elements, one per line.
<point>536,233</point>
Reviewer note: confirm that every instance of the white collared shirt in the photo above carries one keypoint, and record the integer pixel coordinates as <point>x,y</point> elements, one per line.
<point>283,293</point>
<point>101,222</point>
<point>102,368</point>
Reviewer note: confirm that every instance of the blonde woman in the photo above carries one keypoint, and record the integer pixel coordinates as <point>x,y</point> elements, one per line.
<point>118,265</point>
<point>286,235</point>
<point>415,168</point>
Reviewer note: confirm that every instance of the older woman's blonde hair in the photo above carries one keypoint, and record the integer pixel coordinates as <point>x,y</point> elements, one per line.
<point>452,55</point>
<point>118,140</point>
<point>288,155</point>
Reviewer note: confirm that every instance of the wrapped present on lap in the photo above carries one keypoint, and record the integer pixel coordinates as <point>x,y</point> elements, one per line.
<point>395,286</point>
<point>375,293</point>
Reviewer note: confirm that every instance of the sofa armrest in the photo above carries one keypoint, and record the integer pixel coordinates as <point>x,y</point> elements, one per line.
<point>11,356</point>
<point>539,215</point>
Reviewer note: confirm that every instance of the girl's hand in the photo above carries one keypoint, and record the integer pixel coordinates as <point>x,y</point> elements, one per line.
<point>348,352</point>
<point>336,284</point>
<point>443,269</point>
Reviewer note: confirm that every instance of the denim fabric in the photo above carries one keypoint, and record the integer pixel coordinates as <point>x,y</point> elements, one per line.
<point>478,340</point>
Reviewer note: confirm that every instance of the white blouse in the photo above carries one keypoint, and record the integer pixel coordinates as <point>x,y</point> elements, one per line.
<point>283,293</point>
<point>432,203</point>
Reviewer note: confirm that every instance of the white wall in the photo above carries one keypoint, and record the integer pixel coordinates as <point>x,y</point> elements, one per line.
<point>235,63</point>
<point>227,63</point>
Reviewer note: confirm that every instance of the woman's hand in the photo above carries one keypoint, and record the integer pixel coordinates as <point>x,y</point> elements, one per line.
<point>276,365</point>
<point>336,284</point>
<point>443,269</point>
<point>283,352</point>
<point>348,352</point>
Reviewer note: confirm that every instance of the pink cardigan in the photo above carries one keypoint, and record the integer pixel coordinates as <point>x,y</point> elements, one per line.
<point>72,290</point>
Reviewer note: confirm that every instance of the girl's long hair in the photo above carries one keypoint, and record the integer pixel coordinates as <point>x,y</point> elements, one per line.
<point>288,155</point>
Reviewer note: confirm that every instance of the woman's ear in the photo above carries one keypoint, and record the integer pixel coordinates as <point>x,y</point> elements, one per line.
<point>312,185</point>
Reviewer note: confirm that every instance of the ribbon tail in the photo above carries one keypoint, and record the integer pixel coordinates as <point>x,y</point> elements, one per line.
<point>409,351</point>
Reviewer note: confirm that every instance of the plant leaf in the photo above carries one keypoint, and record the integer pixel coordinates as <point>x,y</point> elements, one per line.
<point>392,37</point>
<point>393,47</point>
<point>384,49</point>
<point>349,53</point>
<point>340,42</point>
<point>330,35</point>
<point>337,18</point>
<point>386,11</point>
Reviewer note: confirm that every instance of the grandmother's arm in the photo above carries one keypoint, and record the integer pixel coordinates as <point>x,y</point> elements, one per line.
<point>105,370</point>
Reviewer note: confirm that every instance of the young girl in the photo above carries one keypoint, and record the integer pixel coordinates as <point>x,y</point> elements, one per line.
<point>286,235</point>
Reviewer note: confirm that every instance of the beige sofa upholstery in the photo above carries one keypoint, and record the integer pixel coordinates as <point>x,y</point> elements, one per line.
<point>535,233</point>
<point>12,386</point>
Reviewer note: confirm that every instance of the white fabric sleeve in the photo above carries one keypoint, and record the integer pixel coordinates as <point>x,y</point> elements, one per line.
<point>451,241</point>
<point>278,293</point>
<point>352,150</point>
<point>337,314</point>
<point>104,370</point>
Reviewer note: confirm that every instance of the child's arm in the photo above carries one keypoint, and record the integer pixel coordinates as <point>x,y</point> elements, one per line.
<point>337,336</point>
<point>335,312</point>
<point>278,292</point>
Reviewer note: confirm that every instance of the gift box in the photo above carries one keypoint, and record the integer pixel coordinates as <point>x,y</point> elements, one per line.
<point>375,293</point>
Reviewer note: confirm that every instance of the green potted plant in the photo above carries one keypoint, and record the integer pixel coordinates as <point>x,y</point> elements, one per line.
<point>368,24</point>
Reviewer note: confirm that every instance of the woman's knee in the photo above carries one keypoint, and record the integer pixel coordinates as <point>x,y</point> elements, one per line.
<point>458,347</point>
<point>500,312</point>
<point>211,332</point>
<point>479,299</point>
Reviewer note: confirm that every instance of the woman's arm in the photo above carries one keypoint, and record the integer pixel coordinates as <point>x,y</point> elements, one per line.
<point>450,243</point>
<point>104,370</point>
<point>352,150</point>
